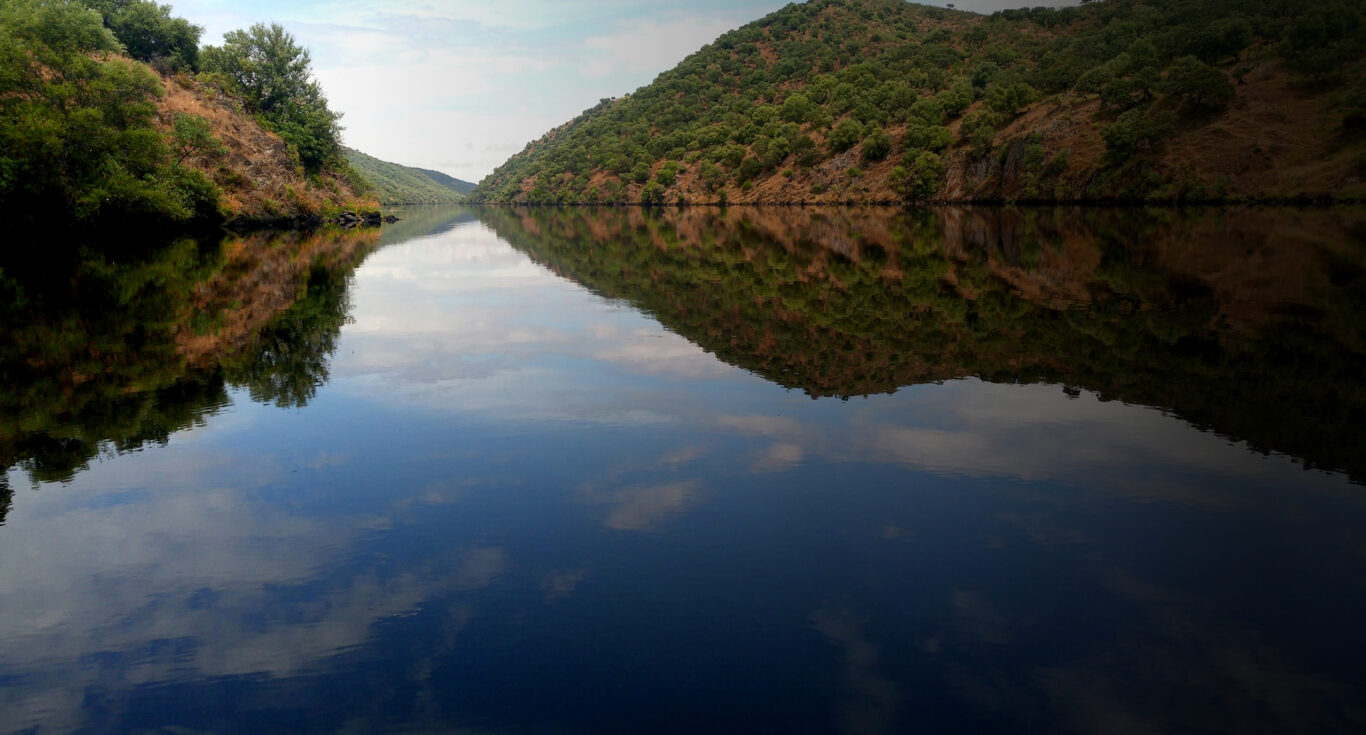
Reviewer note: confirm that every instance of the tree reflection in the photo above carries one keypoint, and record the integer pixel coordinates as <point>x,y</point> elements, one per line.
<point>289,358</point>
<point>112,353</point>
<point>1247,323</point>
<point>6,495</point>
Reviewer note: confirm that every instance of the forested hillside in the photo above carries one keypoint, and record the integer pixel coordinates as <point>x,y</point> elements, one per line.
<point>111,114</point>
<point>460,186</point>
<point>883,100</point>
<point>396,184</point>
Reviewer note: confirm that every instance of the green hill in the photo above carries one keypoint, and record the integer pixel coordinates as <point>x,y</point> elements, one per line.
<point>396,184</point>
<point>882,100</point>
<point>113,117</point>
<point>450,182</point>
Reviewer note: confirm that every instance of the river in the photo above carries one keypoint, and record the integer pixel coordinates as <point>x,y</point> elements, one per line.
<point>691,470</point>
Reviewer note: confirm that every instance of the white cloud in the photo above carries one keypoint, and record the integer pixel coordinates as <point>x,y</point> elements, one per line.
<point>779,458</point>
<point>159,531</point>
<point>639,508</point>
<point>664,353</point>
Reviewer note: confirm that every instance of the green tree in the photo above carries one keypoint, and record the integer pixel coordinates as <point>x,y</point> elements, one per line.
<point>979,130</point>
<point>1200,85</point>
<point>877,145</point>
<point>1008,99</point>
<point>149,32</point>
<point>653,193</point>
<point>273,74</point>
<point>845,135</point>
<point>191,136</point>
<point>1324,39</point>
<point>797,108</point>
<point>927,137</point>
<point>1222,39</point>
<point>1136,131</point>
<point>923,175</point>
<point>76,134</point>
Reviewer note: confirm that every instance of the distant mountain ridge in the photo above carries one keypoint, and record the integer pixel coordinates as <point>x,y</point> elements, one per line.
<point>884,100</point>
<point>398,184</point>
<point>450,182</point>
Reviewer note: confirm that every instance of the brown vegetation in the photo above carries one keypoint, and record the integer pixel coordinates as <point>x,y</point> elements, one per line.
<point>260,180</point>
<point>260,278</point>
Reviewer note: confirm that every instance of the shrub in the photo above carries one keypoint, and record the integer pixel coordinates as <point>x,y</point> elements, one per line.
<point>877,145</point>
<point>667,174</point>
<point>1135,131</point>
<point>1058,163</point>
<point>844,136</point>
<point>927,137</point>
<point>1009,99</point>
<point>149,33</point>
<point>797,108</point>
<point>919,177</point>
<point>979,130</point>
<point>191,136</point>
<point>1200,85</point>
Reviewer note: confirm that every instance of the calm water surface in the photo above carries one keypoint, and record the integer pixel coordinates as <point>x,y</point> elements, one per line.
<point>788,471</point>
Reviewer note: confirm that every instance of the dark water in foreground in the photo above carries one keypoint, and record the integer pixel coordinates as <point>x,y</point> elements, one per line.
<point>789,471</point>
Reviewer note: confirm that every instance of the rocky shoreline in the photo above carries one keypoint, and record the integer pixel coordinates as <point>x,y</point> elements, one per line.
<point>347,219</point>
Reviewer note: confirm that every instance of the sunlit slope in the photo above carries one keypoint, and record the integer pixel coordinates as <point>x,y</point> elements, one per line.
<point>882,100</point>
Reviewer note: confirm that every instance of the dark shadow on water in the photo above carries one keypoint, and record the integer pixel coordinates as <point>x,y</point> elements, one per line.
<point>1249,323</point>
<point>115,346</point>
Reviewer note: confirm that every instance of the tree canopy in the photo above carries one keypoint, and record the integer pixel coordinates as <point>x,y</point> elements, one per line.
<point>76,132</point>
<point>83,138</point>
<point>150,33</point>
<point>274,76</point>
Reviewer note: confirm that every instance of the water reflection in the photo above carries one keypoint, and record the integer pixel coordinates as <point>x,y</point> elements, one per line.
<point>446,489</point>
<point>115,352</point>
<point>1248,322</point>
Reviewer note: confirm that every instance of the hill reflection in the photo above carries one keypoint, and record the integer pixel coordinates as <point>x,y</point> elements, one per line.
<point>108,353</point>
<point>1247,323</point>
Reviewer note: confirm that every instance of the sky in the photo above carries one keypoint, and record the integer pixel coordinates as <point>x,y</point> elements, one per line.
<point>461,85</point>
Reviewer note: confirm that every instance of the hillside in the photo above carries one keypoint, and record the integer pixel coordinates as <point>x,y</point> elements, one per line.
<point>397,184</point>
<point>882,100</point>
<point>459,186</point>
<point>255,172</point>
<point>112,118</point>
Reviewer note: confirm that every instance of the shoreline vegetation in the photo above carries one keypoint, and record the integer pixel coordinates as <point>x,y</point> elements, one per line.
<point>863,101</point>
<point>114,118</point>
<point>1292,202</point>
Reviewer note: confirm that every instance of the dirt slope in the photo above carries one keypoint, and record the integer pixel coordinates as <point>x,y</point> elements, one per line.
<point>259,179</point>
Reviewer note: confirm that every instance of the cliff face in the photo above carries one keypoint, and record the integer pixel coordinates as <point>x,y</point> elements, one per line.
<point>881,100</point>
<point>260,181</point>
